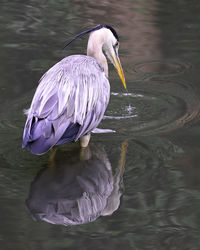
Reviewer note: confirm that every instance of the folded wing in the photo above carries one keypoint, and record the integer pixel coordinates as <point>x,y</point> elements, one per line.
<point>69,102</point>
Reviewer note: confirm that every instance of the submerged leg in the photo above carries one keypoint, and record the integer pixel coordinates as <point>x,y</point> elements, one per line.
<point>85,154</point>
<point>52,157</point>
<point>84,140</point>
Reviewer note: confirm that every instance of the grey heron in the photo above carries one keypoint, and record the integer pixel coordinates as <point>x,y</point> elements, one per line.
<point>72,96</point>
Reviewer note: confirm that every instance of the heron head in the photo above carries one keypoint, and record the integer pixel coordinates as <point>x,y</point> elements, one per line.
<point>107,38</point>
<point>111,48</point>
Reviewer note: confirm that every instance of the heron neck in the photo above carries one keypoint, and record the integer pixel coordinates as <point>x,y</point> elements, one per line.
<point>94,49</point>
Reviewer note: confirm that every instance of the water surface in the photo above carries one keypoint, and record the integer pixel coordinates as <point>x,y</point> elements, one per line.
<point>138,188</point>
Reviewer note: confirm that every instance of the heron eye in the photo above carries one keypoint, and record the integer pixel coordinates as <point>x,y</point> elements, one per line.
<point>116,45</point>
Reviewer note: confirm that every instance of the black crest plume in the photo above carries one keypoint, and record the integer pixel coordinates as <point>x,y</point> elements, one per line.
<point>98,27</point>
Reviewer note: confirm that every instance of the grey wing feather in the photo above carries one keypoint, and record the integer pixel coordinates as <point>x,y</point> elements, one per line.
<point>69,102</point>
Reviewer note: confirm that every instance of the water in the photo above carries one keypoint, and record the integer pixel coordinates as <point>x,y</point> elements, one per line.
<point>137,188</point>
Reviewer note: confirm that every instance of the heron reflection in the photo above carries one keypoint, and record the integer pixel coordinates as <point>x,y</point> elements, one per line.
<point>77,187</point>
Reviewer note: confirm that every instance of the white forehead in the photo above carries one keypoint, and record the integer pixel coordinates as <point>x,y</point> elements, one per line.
<point>104,35</point>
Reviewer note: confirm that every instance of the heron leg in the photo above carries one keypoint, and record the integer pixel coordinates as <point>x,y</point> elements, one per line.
<point>84,140</point>
<point>52,157</point>
<point>85,154</point>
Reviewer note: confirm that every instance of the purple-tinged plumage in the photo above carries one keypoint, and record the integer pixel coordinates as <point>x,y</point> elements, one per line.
<point>72,96</point>
<point>69,102</point>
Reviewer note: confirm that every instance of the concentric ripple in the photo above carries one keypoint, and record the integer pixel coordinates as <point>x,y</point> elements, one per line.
<point>152,109</point>
<point>158,68</point>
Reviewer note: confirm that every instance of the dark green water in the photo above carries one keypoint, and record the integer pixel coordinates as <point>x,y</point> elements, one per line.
<point>154,202</point>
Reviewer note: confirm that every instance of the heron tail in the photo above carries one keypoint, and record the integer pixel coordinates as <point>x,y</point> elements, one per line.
<point>40,135</point>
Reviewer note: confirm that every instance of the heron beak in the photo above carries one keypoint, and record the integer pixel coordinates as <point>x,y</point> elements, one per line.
<point>118,66</point>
